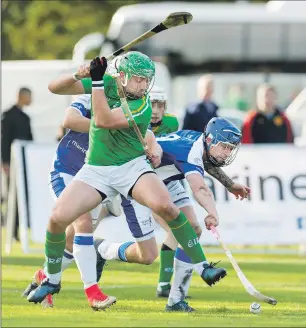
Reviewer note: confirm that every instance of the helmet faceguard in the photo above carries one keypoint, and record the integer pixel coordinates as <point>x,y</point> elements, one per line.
<point>222,140</point>
<point>158,99</point>
<point>135,65</point>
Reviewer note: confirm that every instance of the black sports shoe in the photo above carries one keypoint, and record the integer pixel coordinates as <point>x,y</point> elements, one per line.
<point>181,306</point>
<point>100,260</point>
<point>211,275</point>
<point>33,285</point>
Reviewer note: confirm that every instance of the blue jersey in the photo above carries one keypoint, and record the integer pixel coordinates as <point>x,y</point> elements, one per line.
<point>71,150</point>
<point>182,155</point>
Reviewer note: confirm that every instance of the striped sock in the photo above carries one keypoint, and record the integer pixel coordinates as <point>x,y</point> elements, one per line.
<point>54,250</point>
<point>86,258</point>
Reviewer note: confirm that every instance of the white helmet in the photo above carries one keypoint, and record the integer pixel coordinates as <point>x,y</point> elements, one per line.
<point>158,94</point>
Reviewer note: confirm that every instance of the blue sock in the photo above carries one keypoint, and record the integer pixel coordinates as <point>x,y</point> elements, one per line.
<point>122,249</point>
<point>182,256</point>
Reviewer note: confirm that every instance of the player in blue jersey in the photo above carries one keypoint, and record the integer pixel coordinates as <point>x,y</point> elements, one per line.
<point>186,154</point>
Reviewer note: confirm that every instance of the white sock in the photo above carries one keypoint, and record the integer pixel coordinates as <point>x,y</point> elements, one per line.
<point>67,259</point>
<point>86,258</point>
<point>198,267</point>
<point>181,281</point>
<point>109,250</point>
<point>162,284</point>
<point>54,278</point>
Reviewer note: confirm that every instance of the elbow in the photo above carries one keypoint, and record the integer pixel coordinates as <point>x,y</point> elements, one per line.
<point>66,123</point>
<point>52,88</point>
<point>102,124</point>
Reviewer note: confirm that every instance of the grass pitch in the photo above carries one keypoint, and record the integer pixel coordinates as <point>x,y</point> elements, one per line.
<point>225,305</point>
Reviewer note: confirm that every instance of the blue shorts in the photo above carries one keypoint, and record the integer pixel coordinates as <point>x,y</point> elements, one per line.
<point>139,219</point>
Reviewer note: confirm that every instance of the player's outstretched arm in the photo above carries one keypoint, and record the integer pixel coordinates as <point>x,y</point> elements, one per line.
<point>204,197</point>
<point>240,191</point>
<point>104,117</point>
<point>219,174</point>
<point>69,84</point>
<point>75,121</point>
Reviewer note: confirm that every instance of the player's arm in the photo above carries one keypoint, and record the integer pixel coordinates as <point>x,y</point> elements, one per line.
<point>239,190</point>
<point>104,117</point>
<point>70,84</point>
<point>154,148</point>
<point>204,197</point>
<point>75,121</point>
<point>219,174</point>
<point>202,193</point>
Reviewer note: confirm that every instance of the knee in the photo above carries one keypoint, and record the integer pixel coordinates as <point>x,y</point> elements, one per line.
<point>56,218</point>
<point>149,256</point>
<point>165,208</point>
<point>148,259</point>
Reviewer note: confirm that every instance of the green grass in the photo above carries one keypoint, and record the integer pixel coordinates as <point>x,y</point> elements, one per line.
<point>225,305</point>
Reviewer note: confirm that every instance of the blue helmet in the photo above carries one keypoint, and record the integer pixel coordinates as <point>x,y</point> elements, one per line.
<point>220,130</point>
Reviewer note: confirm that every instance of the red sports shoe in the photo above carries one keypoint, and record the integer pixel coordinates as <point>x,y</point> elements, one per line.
<point>97,300</point>
<point>39,276</point>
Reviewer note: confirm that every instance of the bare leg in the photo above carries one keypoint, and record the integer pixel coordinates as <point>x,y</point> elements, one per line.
<point>143,252</point>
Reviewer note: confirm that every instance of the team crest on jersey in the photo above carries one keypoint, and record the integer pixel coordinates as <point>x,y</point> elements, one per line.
<point>278,121</point>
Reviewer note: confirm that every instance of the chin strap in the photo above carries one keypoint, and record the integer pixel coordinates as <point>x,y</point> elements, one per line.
<point>210,159</point>
<point>154,125</point>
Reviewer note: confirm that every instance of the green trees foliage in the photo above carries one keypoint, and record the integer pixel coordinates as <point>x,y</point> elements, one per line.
<point>49,29</point>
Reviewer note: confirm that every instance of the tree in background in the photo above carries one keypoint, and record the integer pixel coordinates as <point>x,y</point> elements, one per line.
<point>50,29</point>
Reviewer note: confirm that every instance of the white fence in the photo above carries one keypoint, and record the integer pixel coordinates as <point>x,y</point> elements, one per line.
<point>274,215</point>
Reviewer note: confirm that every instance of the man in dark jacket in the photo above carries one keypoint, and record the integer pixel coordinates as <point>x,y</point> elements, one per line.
<point>199,114</point>
<point>267,123</point>
<point>15,124</point>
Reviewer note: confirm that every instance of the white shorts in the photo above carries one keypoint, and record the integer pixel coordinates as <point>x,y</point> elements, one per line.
<point>58,182</point>
<point>114,180</point>
<point>139,217</point>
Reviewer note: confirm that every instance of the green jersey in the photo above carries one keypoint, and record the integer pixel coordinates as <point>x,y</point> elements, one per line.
<point>111,146</point>
<point>168,124</point>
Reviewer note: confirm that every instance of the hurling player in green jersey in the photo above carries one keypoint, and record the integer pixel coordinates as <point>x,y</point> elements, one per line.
<point>162,123</point>
<point>116,163</point>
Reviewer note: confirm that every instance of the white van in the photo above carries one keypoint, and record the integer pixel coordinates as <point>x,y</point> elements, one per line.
<point>239,34</point>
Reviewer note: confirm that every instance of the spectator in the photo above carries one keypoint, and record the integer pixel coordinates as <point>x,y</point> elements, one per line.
<point>267,124</point>
<point>198,115</point>
<point>235,98</point>
<point>15,124</point>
